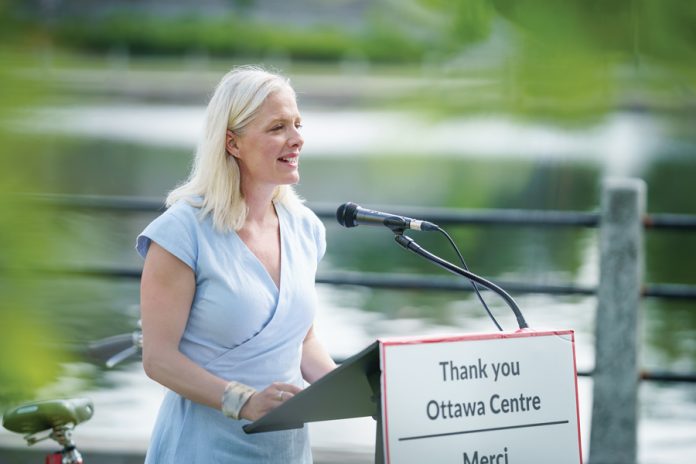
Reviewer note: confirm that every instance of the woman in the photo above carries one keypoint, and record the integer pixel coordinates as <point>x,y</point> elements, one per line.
<point>227,290</point>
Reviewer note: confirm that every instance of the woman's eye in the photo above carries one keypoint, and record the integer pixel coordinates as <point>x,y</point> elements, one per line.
<point>276,128</point>
<point>298,126</point>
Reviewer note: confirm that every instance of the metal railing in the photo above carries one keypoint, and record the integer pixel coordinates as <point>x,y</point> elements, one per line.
<point>441,216</point>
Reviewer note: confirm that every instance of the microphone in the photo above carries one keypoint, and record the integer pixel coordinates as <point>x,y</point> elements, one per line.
<point>352,215</point>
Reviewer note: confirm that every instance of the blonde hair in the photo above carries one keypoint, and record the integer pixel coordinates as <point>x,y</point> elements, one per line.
<point>214,182</point>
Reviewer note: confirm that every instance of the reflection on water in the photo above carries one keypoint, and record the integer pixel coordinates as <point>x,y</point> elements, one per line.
<point>452,174</point>
<point>621,144</point>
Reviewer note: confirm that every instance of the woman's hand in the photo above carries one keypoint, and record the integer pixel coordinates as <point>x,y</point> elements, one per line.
<point>269,398</point>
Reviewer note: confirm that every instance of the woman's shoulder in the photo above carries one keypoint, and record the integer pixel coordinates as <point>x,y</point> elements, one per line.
<point>176,230</point>
<point>309,228</point>
<point>183,211</point>
<point>185,207</point>
<point>182,216</point>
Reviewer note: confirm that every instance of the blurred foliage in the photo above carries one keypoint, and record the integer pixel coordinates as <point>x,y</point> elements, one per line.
<point>229,35</point>
<point>29,358</point>
<point>574,59</point>
<point>453,25</point>
<point>659,29</point>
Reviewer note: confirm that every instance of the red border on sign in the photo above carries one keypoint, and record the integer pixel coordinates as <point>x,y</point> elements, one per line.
<point>577,395</point>
<point>385,426</point>
<point>522,333</point>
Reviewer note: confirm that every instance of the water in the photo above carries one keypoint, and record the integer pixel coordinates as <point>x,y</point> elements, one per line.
<point>620,144</point>
<point>393,159</point>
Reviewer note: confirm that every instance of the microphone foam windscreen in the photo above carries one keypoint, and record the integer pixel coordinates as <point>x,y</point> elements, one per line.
<point>345,214</point>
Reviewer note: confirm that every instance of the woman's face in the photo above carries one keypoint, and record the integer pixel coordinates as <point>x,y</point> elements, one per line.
<point>268,149</point>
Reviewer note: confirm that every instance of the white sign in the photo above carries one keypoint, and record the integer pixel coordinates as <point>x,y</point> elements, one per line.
<point>503,398</point>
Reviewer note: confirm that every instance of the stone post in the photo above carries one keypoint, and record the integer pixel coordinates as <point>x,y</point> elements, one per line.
<point>613,437</point>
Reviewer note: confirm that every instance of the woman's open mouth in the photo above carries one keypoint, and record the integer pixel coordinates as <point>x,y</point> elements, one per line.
<point>289,159</point>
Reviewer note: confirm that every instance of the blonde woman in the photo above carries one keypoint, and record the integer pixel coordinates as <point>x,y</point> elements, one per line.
<point>227,290</point>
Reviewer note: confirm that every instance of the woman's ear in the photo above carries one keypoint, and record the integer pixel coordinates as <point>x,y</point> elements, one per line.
<point>231,144</point>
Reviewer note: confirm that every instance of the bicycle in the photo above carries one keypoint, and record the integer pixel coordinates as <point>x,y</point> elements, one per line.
<point>56,419</point>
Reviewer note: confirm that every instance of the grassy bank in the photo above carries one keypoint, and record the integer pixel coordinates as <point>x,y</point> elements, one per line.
<point>228,36</point>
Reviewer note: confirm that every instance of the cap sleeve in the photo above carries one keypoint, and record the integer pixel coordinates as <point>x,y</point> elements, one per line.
<point>318,232</point>
<point>320,237</point>
<point>175,231</point>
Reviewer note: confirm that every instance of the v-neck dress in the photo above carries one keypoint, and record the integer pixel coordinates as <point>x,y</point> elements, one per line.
<point>241,327</point>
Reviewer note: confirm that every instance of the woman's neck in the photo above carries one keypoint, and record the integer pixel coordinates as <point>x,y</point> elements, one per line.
<point>259,204</point>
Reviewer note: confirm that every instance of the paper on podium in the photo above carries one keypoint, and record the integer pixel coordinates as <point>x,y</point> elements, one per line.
<point>350,390</point>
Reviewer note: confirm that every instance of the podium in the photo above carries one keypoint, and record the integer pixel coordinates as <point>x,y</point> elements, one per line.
<point>351,390</point>
<point>472,398</point>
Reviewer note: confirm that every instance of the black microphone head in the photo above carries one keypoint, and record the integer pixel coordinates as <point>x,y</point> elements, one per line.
<point>345,214</point>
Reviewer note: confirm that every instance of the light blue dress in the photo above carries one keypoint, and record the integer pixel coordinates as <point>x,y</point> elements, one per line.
<point>241,327</point>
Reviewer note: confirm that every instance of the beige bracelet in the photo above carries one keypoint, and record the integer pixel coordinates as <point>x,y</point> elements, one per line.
<point>235,396</point>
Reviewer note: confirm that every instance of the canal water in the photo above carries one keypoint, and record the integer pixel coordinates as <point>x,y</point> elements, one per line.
<point>391,160</point>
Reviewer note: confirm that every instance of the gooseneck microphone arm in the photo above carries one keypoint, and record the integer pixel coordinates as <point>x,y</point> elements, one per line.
<point>411,245</point>
<point>351,215</point>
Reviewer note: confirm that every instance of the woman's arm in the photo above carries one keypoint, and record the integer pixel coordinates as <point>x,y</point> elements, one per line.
<point>167,290</point>
<point>316,362</point>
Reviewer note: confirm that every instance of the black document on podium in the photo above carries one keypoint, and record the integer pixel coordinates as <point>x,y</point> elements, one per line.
<point>350,390</point>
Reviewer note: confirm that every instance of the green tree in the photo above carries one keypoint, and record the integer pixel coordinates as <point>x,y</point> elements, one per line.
<point>28,357</point>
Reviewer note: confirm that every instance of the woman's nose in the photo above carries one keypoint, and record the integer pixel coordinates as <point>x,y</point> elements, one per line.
<point>296,139</point>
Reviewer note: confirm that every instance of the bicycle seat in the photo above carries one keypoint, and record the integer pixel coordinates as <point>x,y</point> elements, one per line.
<point>30,418</point>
